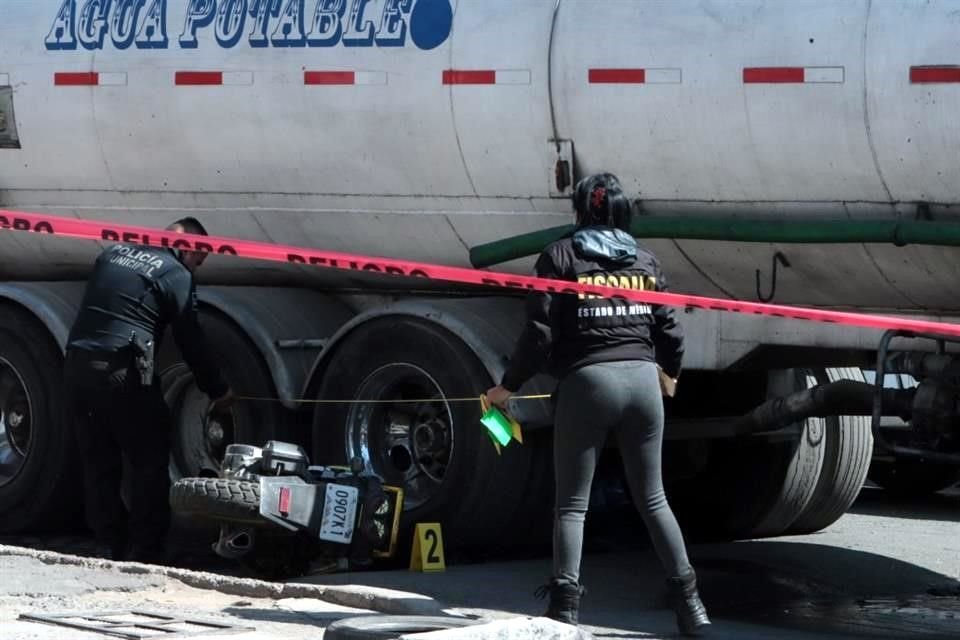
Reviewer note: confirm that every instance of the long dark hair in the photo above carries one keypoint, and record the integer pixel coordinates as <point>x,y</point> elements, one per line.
<point>598,199</point>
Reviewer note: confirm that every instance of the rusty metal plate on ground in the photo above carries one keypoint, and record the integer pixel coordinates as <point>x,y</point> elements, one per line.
<point>136,625</point>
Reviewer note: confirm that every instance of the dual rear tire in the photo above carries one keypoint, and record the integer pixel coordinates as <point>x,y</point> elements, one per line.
<point>796,481</point>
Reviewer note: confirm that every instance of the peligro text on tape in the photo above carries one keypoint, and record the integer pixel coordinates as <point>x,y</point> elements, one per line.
<point>100,231</point>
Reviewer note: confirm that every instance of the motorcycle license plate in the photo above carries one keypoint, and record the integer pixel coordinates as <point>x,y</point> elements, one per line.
<point>339,513</point>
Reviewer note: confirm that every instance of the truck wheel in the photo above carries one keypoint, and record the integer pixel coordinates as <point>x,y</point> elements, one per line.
<point>388,627</point>
<point>196,451</point>
<point>217,499</point>
<point>800,459</point>
<point>848,448</point>
<point>38,467</point>
<point>423,433</point>
<point>755,486</point>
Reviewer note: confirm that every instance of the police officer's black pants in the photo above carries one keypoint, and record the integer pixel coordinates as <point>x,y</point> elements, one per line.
<point>623,399</point>
<point>134,423</point>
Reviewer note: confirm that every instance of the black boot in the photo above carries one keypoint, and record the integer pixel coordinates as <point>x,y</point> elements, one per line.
<point>564,600</point>
<point>691,615</point>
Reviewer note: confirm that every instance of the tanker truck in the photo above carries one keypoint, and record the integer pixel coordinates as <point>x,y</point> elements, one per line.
<point>800,152</point>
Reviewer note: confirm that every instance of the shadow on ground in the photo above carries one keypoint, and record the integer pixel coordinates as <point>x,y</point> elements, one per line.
<point>791,584</point>
<point>943,506</point>
<point>783,584</point>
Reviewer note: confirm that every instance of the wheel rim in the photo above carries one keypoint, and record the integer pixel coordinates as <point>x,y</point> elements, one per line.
<point>16,422</point>
<point>406,443</point>
<point>197,448</point>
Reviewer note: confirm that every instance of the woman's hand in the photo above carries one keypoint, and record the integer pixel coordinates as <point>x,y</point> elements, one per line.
<point>498,396</point>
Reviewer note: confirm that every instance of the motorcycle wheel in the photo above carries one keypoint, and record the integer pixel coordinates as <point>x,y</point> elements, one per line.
<point>217,499</point>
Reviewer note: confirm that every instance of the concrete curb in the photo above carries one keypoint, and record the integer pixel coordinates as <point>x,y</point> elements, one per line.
<point>357,596</point>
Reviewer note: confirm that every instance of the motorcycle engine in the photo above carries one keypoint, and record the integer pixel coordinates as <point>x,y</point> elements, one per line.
<point>283,458</point>
<point>241,461</point>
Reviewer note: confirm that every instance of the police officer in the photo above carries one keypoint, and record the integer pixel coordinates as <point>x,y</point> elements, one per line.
<point>133,295</point>
<point>605,354</point>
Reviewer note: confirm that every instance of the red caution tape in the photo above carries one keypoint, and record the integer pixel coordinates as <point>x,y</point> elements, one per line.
<point>92,230</point>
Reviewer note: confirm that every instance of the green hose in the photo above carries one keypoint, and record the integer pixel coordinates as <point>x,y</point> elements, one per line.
<point>845,231</point>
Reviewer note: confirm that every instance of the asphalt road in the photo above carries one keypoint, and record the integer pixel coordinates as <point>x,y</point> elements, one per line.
<point>887,569</point>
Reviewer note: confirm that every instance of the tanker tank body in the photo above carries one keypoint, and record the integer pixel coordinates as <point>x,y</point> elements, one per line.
<point>421,128</point>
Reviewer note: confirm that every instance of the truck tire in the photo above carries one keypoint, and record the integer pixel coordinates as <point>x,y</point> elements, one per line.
<point>195,452</point>
<point>39,471</point>
<point>804,463</point>
<point>437,451</point>
<point>217,499</point>
<point>848,448</point>
<point>389,627</point>
<point>756,486</point>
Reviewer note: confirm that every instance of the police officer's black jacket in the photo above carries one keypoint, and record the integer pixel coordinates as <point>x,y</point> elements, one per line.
<point>564,331</point>
<point>144,290</point>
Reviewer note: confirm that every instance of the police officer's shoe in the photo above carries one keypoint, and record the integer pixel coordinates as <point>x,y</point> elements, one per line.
<point>692,617</point>
<point>564,600</point>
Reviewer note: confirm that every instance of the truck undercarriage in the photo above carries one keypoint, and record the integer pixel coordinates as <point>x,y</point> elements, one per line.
<point>755,450</point>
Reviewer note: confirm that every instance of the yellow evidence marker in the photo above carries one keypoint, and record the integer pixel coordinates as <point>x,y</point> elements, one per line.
<point>427,554</point>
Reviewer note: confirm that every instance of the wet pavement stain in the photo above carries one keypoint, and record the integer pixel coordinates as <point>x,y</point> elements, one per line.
<point>791,600</point>
<point>921,616</point>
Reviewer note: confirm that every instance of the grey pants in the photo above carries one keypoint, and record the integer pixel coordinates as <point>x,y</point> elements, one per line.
<point>622,398</point>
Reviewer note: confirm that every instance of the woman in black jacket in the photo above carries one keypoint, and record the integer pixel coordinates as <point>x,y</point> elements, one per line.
<point>605,353</point>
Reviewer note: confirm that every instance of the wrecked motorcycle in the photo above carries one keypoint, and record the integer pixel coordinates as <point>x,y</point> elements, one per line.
<point>280,517</point>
